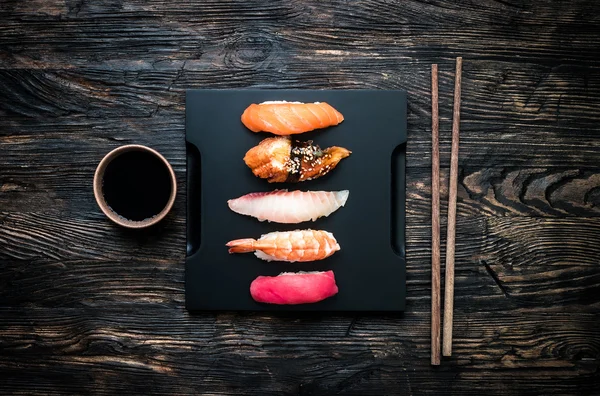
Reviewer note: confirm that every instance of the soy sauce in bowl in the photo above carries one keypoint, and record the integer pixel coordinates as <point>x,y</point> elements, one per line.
<point>135,186</point>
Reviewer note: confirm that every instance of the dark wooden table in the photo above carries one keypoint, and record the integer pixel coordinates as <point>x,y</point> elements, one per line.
<point>89,308</point>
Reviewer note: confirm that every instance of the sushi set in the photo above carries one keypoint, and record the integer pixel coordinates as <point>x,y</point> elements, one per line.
<point>295,200</point>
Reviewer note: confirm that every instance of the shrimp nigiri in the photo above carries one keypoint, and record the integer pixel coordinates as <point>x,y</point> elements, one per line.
<point>281,159</point>
<point>294,287</point>
<point>290,207</point>
<point>291,246</point>
<point>288,118</point>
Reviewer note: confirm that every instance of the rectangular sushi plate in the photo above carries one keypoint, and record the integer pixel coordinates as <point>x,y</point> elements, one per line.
<point>370,268</point>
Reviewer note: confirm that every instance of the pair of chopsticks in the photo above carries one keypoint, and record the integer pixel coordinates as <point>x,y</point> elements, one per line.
<point>435,219</point>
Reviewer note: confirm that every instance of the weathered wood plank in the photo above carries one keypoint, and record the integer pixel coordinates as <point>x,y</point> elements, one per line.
<point>234,11</point>
<point>505,97</point>
<point>528,262</point>
<point>511,191</point>
<point>502,262</point>
<point>149,30</point>
<point>167,351</point>
<point>48,238</point>
<point>159,282</point>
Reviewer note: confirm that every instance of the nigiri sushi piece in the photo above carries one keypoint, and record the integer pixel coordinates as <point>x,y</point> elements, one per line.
<point>291,246</point>
<point>281,159</point>
<point>289,207</point>
<point>291,288</point>
<point>289,118</point>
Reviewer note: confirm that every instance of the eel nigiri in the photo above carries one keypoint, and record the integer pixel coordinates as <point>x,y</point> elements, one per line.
<point>281,159</point>
<point>294,287</point>
<point>291,246</point>
<point>288,118</point>
<point>290,207</point>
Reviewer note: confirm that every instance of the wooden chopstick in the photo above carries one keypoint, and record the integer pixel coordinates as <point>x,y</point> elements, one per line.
<point>435,220</point>
<point>450,242</point>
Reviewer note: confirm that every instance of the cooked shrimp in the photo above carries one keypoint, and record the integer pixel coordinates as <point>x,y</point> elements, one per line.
<point>292,246</point>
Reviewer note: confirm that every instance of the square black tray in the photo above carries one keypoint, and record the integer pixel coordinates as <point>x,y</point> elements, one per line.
<point>369,268</point>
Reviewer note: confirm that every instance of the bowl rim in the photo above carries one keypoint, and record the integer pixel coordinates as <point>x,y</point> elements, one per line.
<point>99,196</point>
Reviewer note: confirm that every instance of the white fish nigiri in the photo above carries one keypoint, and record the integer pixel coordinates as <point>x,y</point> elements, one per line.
<point>290,207</point>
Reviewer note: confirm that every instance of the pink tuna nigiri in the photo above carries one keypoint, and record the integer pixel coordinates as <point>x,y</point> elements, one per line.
<point>291,207</point>
<point>294,288</point>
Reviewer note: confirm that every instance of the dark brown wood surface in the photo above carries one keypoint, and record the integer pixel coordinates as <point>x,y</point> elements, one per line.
<point>88,308</point>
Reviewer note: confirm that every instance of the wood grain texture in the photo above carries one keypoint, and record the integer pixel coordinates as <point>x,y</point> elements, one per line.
<point>451,225</point>
<point>512,191</point>
<point>436,290</point>
<point>498,100</point>
<point>86,307</point>
<point>379,355</point>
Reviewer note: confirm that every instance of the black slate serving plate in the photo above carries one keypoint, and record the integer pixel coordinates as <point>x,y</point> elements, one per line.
<point>369,269</point>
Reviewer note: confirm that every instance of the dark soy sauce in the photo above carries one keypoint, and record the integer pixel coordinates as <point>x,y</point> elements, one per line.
<point>137,185</point>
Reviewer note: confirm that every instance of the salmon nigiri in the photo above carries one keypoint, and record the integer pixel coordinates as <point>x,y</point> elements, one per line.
<point>289,118</point>
<point>291,246</point>
<point>289,207</point>
<point>282,159</point>
<point>294,287</point>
